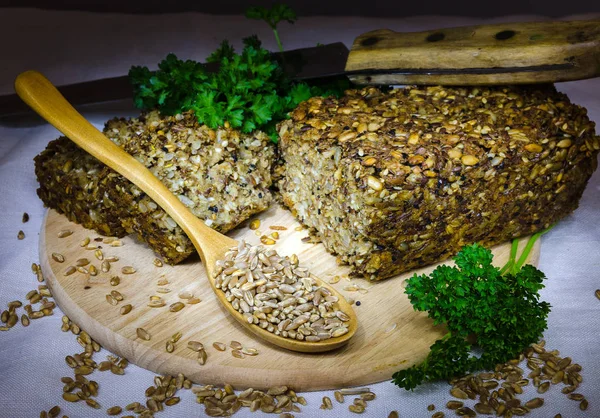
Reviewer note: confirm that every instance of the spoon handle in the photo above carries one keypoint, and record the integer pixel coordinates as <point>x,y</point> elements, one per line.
<point>39,93</point>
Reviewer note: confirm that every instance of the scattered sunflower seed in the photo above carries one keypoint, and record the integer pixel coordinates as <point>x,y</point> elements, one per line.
<point>143,334</point>
<point>59,258</point>
<point>125,309</point>
<point>176,307</point>
<point>219,346</point>
<point>157,262</point>
<point>338,396</point>
<point>393,414</point>
<point>193,301</point>
<point>255,224</point>
<point>128,270</point>
<point>21,235</point>
<point>598,293</point>
<point>65,233</point>
<point>114,410</point>
<point>25,218</point>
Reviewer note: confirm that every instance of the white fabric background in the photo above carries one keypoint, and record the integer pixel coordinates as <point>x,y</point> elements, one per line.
<point>74,46</point>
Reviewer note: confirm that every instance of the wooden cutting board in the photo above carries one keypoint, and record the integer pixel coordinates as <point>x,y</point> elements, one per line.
<point>390,336</point>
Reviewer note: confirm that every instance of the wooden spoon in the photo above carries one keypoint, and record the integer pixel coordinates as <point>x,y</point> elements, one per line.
<point>37,91</point>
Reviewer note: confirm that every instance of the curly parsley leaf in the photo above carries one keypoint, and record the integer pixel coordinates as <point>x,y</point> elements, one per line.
<point>249,91</point>
<point>502,312</point>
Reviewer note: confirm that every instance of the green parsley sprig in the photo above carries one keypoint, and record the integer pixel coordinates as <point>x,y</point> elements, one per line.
<point>249,91</point>
<point>272,17</point>
<point>474,299</point>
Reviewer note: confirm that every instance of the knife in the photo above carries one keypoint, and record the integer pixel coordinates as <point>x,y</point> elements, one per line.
<point>507,53</point>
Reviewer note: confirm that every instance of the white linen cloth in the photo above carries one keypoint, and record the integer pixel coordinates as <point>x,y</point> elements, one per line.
<point>75,46</point>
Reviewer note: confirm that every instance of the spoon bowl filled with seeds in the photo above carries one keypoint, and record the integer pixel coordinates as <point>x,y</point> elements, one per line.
<point>273,297</point>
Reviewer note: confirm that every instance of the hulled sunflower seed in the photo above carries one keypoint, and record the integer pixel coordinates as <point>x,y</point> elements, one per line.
<point>110,299</point>
<point>115,281</point>
<point>169,347</point>
<point>82,262</point>
<point>99,254</point>
<point>105,266</point>
<point>117,295</point>
<point>143,334</point>
<point>237,354</point>
<point>64,233</point>
<point>70,270</point>
<point>176,307</point>
<point>193,301</point>
<point>128,270</point>
<point>202,356</point>
<point>58,257</point>
<point>393,414</point>
<point>114,410</point>
<point>338,396</point>
<point>157,262</point>
<point>357,409</point>
<point>92,403</point>
<point>195,345</point>
<point>125,309</point>
<point>24,320</point>
<point>219,346</point>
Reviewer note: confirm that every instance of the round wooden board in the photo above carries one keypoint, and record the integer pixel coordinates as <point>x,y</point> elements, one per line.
<point>390,335</point>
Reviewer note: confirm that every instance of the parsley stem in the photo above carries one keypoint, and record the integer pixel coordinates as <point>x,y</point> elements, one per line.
<point>511,259</point>
<point>278,40</point>
<point>529,247</point>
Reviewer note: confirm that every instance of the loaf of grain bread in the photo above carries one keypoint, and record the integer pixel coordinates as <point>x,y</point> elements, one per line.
<point>398,180</point>
<point>222,176</point>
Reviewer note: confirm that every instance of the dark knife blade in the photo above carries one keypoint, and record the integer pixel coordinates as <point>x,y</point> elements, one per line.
<point>299,64</point>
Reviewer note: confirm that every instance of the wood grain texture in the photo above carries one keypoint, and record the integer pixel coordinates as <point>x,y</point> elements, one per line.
<point>517,53</point>
<point>39,93</point>
<point>390,334</point>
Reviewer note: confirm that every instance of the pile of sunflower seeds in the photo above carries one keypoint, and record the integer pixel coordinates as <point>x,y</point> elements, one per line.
<point>225,402</point>
<point>498,392</point>
<point>276,294</point>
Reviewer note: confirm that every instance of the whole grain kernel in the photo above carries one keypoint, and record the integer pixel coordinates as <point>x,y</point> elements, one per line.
<point>64,233</point>
<point>114,410</point>
<point>70,270</point>
<point>219,346</point>
<point>128,270</point>
<point>357,409</point>
<point>143,334</point>
<point>176,307</point>
<point>202,356</point>
<point>125,309</point>
<point>469,160</point>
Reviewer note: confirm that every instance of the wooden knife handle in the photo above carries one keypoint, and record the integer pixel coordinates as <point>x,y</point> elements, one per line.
<point>507,53</point>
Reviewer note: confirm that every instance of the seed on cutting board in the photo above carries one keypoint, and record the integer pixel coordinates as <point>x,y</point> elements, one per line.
<point>125,309</point>
<point>237,354</point>
<point>105,266</point>
<point>128,270</point>
<point>250,351</point>
<point>82,262</point>
<point>58,257</point>
<point>202,356</point>
<point>255,224</point>
<point>93,270</point>
<point>236,345</point>
<point>193,301</point>
<point>195,345</point>
<point>186,295</point>
<point>176,307</point>
<point>99,254</point>
<point>117,295</point>
<point>163,290</point>
<point>116,243</point>
<point>157,303</point>
<point>157,262</point>
<point>111,299</point>
<point>115,280</point>
<point>114,410</point>
<point>219,346</point>
<point>70,270</point>
<point>84,242</point>
<point>169,347</point>
<point>112,259</point>
<point>143,334</point>
<point>64,233</point>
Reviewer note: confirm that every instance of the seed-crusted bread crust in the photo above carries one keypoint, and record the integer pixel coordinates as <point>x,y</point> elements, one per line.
<point>393,181</point>
<point>221,175</point>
